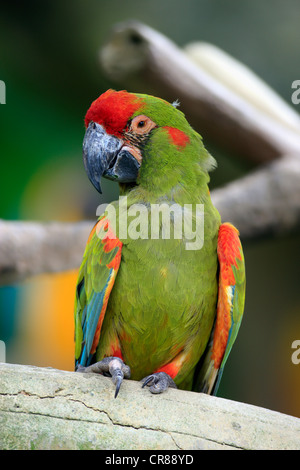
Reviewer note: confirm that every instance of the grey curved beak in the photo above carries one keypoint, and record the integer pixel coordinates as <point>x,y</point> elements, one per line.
<point>103,156</point>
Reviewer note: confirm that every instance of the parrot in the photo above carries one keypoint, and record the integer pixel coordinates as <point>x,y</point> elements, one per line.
<point>147,306</point>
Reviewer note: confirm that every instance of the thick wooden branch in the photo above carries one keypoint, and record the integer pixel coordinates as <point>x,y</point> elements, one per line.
<point>44,408</point>
<point>141,59</point>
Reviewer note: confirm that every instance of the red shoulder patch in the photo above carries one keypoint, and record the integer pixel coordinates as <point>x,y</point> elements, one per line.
<point>110,242</point>
<point>179,138</point>
<point>113,109</point>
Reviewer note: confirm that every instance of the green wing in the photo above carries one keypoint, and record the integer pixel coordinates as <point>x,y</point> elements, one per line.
<point>96,278</point>
<point>230,308</point>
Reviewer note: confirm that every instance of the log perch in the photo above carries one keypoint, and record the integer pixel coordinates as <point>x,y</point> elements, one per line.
<point>44,408</point>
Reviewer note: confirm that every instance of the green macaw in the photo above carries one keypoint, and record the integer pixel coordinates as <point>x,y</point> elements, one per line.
<point>150,304</point>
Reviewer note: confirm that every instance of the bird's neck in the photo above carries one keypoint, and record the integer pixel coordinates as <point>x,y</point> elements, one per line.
<point>180,193</point>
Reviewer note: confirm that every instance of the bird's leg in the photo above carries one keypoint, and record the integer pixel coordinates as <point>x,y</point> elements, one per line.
<point>158,382</point>
<point>113,366</point>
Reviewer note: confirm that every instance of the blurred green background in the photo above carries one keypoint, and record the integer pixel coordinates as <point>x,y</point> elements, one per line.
<point>49,62</point>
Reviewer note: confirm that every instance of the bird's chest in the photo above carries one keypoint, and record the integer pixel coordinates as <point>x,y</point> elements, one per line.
<point>161,296</point>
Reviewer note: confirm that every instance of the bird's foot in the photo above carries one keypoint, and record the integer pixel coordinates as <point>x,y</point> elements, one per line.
<point>158,382</point>
<point>113,366</point>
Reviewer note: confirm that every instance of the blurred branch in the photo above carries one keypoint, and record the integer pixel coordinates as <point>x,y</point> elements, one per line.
<point>29,248</point>
<point>265,202</point>
<point>141,59</point>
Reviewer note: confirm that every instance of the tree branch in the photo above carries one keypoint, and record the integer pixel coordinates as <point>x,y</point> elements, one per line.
<point>265,202</point>
<point>49,409</point>
<point>142,59</point>
<point>29,248</point>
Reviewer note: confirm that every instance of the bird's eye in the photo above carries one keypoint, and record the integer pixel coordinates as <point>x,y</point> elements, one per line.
<point>142,125</point>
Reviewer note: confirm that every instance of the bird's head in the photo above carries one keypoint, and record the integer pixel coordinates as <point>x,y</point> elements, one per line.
<point>135,138</point>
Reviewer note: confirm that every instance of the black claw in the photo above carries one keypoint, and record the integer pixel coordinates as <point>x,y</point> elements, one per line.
<point>148,380</point>
<point>117,374</point>
<point>159,382</point>
<point>109,366</point>
<point>119,380</point>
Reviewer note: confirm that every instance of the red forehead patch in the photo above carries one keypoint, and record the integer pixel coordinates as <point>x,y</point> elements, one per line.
<point>179,138</point>
<point>112,110</point>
